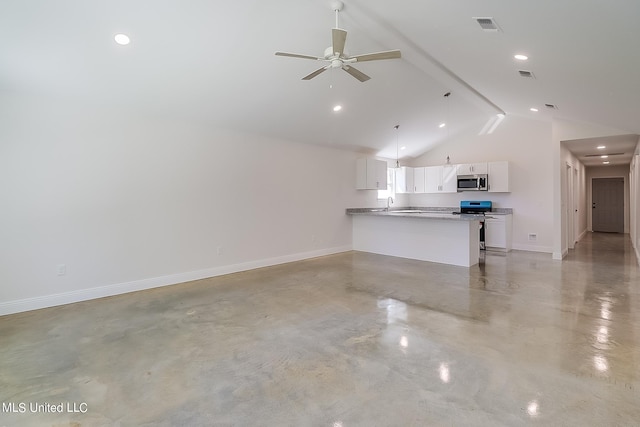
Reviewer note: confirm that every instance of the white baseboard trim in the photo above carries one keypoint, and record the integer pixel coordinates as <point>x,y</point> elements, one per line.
<point>45,301</point>
<point>532,248</point>
<point>559,256</point>
<point>584,233</point>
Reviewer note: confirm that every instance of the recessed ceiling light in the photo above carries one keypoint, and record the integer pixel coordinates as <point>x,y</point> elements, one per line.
<point>337,108</point>
<point>403,148</point>
<point>521,57</point>
<point>122,39</point>
<point>605,163</point>
<point>604,157</point>
<point>535,110</point>
<point>441,125</point>
<point>601,147</point>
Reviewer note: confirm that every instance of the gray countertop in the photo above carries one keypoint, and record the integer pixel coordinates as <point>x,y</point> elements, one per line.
<point>414,213</point>
<point>426,212</point>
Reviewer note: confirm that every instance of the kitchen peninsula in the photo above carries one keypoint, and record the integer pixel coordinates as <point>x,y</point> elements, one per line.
<point>436,236</point>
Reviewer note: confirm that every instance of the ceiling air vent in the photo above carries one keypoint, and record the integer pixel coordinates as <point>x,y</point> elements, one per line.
<point>606,154</point>
<point>551,106</point>
<point>487,24</point>
<point>527,74</point>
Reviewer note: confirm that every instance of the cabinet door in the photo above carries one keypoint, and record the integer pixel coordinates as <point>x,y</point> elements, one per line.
<point>495,233</point>
<point>361,174</point>
<point>433,179</point>
<point>371,174</point>
<point>464,169</point>
<point>472,168</point>
<point>380,174</point>
<point>498,174</point>
<point>449,179</point>
<point>404,180</point>
<point>480,168</point>
<point>419,180</point>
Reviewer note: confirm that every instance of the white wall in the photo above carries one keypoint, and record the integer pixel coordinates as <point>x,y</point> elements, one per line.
<point>527,145</point>
<point>574,197</point>
<point>130,203</point>
<point>634,211</point>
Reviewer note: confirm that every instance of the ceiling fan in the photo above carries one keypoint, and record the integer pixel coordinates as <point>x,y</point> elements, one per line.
<point>336,57</point>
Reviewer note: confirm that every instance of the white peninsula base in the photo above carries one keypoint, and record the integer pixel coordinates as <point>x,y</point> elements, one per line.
<point>423,238</point>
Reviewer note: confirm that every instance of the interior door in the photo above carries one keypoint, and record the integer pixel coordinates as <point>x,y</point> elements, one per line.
<point>607,205</point>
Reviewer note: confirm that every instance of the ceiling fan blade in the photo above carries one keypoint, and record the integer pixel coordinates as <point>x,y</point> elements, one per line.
<point>389,54</point>
<point>315,73</point>
<point>297,55</point>
<point>356,73</point>
<point>339,38</point>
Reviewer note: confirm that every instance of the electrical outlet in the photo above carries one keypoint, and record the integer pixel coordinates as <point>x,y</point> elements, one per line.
<point>533,237</point>
<point>62,269</point>
<point>219,250</point>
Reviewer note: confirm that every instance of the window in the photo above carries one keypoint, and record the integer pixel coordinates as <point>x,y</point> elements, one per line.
<point>391,186</point>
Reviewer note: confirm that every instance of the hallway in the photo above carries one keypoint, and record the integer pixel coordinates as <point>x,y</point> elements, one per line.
<point>352,339</point>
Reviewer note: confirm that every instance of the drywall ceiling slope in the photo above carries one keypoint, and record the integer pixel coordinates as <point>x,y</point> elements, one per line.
<point>214,62</point>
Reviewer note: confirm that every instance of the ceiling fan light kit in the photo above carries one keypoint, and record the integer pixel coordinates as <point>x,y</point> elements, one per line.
<point>335,55</point>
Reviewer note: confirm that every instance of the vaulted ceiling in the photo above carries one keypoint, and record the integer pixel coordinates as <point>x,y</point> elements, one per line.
<point>214,61</point>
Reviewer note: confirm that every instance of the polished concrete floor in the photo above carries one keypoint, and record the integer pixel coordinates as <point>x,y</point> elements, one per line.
<point>353,339</point>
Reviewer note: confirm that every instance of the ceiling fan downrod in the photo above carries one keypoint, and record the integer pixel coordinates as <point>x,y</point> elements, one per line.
<point>337,6</point>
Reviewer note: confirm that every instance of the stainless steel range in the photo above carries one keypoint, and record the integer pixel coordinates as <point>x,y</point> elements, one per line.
<point>477,208</point>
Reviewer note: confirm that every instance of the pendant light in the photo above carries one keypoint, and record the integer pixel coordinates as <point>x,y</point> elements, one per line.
<point>397,127</point>
<point>447,124</point>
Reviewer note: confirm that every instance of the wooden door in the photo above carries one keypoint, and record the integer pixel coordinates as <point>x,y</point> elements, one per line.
<point>607,205</point>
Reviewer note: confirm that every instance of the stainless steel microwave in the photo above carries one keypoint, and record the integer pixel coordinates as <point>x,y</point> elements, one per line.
<point>478,182</point>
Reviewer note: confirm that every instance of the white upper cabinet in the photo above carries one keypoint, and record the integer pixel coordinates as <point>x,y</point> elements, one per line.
<point>499,177</point>
<point>419,180</point>
<point>432,179</point>
<point>404,180</point>
<point>449,179</point>
<point>441,179</point>
<point>371,174</point>
<point>472,169</point>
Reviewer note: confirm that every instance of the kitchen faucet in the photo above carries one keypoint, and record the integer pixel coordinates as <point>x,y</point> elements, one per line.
<point>389,202</point>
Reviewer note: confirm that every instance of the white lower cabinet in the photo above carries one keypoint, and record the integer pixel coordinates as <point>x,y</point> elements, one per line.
<point>497,231</point>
